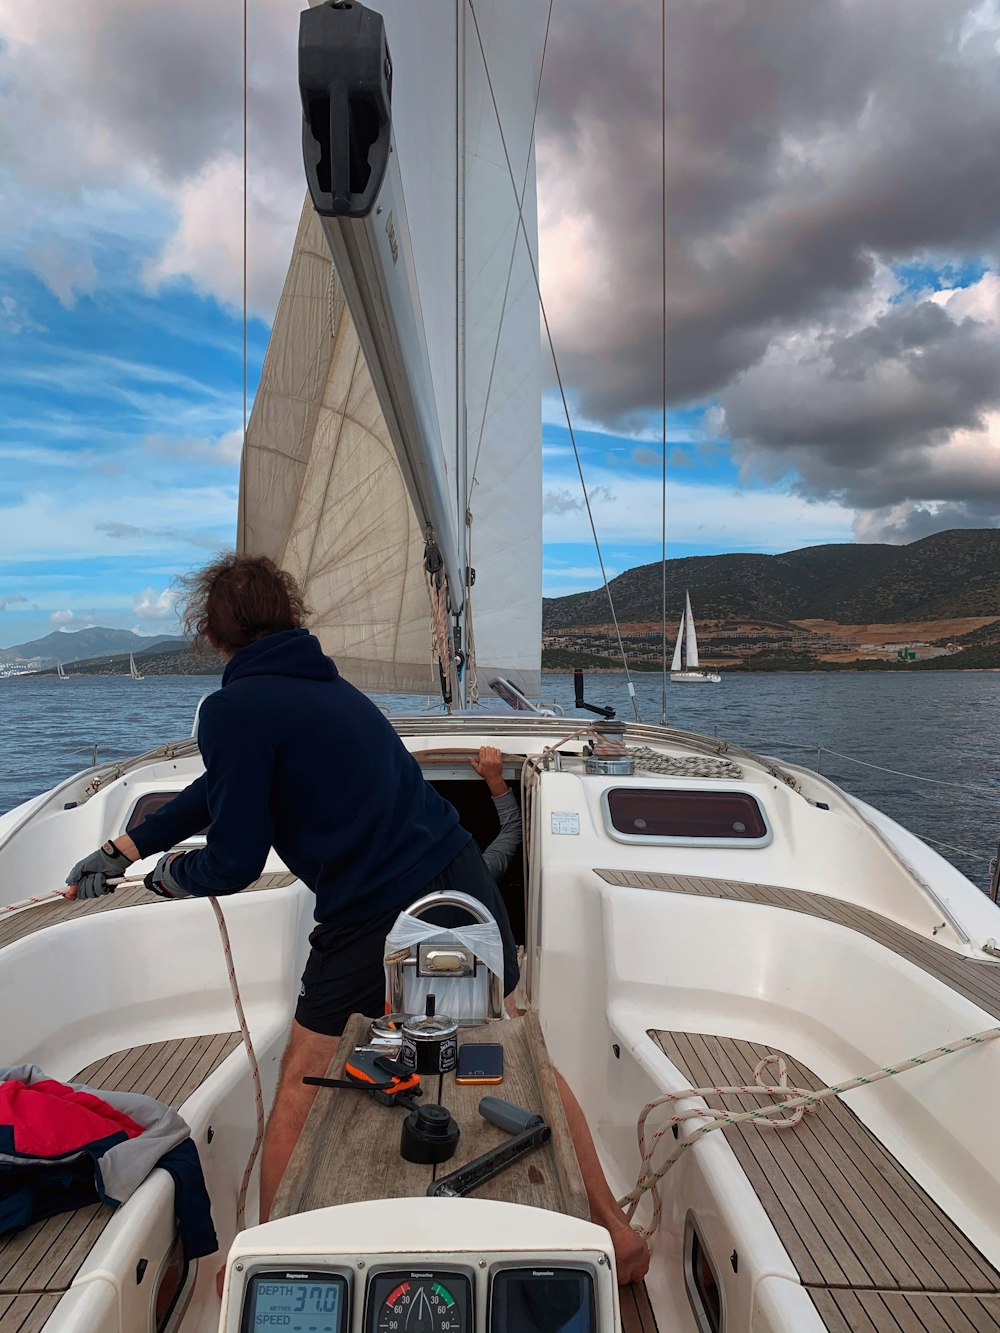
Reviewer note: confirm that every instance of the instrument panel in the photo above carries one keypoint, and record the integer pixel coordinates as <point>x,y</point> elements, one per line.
<point>520,1299</point>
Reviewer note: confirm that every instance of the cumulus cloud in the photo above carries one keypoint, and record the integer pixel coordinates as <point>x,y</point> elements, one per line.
<point>562,500</point>
<point>225,448</point>
<point>133,532</point>
<point>814,147</point>
<point>15,600</point>
<point>806,140</point>
<point>152,605</point>
<point>882,408</point>
<point>154,110</point>
<point>62,618</point>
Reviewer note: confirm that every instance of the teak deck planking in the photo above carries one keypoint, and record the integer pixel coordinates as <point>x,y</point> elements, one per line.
<point>54,911</point>
<point>39,1263</point>
<point>861,1232</point>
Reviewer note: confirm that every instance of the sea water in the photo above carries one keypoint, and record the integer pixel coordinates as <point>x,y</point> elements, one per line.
<point>939,730</point>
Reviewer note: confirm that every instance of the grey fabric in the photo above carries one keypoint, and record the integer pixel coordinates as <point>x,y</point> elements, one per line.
<point>91,875</point>
<point>123,1168</point>
<point>504,847</point>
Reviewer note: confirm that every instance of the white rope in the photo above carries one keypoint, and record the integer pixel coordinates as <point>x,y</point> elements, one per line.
<point>770,1117</point>
<point>33,902</point>
<point>227,949</point>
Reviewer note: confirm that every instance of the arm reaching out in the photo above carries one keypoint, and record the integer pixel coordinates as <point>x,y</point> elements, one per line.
<point>502,850</point>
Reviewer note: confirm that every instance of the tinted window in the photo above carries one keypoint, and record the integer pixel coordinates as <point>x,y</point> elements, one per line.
<point>685,814</point>
<point>148,805</point>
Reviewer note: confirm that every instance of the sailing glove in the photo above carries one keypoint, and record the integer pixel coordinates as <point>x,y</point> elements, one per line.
<point>91,875</point>
<point>160,881</point>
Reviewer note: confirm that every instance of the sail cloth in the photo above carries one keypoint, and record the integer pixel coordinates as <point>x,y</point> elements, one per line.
<point>321,490</point>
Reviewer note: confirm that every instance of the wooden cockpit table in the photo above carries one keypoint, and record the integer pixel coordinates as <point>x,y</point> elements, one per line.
<point>348,1150</point>
<point>349,1147</point>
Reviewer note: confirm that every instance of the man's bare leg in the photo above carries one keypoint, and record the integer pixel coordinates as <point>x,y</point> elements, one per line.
<point>631,1251</point>
<point>306,1053</point>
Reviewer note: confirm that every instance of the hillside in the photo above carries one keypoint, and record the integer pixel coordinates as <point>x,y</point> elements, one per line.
<point>171,657</point>
<point>77,645</point>
<point>951,574</point>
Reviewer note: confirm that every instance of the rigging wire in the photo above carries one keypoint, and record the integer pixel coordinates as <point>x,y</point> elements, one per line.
<point>555,363</point>
<point>663,263</point>
<point>242,493</point>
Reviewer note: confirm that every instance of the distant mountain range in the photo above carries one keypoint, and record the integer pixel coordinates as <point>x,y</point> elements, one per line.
<point>76,645</point>
<point>952,574</point>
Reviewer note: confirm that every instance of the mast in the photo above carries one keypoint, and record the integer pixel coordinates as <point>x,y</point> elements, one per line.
<point>691,637</point>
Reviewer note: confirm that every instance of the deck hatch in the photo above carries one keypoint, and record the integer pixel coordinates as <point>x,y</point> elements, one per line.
<point>686,818</point>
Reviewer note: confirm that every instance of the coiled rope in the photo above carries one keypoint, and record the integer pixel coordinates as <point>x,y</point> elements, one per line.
<point>784,1114</point>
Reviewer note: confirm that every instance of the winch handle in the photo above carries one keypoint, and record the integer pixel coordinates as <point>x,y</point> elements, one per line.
<point>506,1115</point>
<point>473,906</point>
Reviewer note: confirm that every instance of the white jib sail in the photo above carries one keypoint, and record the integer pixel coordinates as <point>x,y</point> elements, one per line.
<point>675,665</point>
<point>321,492</point>
<point>690,637</point>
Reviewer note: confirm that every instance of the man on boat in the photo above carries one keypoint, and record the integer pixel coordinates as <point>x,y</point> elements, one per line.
<point>298,759</point>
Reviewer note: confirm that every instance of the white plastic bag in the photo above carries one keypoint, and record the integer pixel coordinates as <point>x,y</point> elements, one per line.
<point>458,997</point>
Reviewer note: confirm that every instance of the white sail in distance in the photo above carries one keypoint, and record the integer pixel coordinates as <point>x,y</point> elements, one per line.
<point>690,637</point>
<point>322,491</point>
<point>675,665</point>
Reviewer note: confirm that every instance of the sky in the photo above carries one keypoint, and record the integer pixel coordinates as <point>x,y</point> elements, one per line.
<point>833,315</point>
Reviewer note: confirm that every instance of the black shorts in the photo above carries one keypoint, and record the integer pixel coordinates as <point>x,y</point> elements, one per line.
<point>345,971</point>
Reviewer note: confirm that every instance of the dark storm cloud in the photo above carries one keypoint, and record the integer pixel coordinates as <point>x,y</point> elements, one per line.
<point>811,144</point>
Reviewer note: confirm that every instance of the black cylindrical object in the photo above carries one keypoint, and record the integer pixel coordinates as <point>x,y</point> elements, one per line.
<point>429,1135</point>
<point>429,1043</point>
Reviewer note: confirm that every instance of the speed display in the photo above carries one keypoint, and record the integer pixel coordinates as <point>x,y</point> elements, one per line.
<point>422,1301</point>
<point>305,1303</point>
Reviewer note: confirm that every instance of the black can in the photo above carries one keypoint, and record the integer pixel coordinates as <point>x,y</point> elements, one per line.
<point>429,1044</point>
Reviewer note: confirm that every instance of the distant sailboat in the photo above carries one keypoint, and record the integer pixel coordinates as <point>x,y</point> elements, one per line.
<point>133,670</point>
<point>60,673</point>
<point>687,642</point>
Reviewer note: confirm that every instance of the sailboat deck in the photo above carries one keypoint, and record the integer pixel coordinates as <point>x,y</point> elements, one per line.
<point>39,1263</point>
<point>873,1249</point>
<point>977,980</point>
<point>349,1148</point>
<point>52,912</point>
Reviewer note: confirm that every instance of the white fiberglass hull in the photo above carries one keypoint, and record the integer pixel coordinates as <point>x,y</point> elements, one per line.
<point>694,678</point>
<point>626,936</point>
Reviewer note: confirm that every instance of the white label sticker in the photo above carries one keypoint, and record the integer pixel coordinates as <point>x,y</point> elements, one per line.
<point>565,822</point>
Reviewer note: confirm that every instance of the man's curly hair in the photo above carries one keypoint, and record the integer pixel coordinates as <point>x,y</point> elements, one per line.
<point>238,599</point>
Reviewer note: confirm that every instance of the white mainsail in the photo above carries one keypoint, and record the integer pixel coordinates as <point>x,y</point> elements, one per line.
<point>690,637</point>
<point>322,489</point>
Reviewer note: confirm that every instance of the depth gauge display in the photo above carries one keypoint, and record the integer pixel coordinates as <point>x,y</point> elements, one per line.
<point>296,1303</point>
<point>425,1301</point>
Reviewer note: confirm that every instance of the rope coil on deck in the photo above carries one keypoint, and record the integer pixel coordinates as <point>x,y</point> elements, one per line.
<point>777,1116</point>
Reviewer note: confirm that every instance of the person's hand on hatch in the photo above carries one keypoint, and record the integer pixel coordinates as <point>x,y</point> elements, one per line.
<point>489,766</point>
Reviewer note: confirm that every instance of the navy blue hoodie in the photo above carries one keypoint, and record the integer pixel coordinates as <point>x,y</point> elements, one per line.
<point>298,759</point>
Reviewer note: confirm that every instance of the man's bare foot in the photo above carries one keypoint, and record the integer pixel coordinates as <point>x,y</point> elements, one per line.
<point>631,1255</point>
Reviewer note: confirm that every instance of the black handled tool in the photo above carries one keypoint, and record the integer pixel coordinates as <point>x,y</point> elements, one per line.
<point>534,1132</point>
